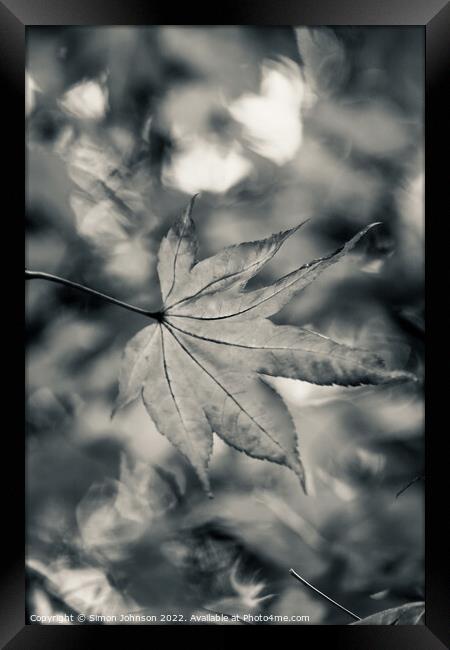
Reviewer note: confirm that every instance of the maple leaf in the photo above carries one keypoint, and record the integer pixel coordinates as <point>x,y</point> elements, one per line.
<point>200,368</point>
<point>409,614</point>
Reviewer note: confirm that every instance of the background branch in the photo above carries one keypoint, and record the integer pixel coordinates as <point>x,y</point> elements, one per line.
<point>305,582</point>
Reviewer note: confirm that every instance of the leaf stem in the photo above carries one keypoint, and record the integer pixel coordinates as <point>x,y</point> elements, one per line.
<point>39,275</point>
<point>305,582</point>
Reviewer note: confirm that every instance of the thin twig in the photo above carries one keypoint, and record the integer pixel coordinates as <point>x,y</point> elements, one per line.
<point>39,275</point>
<point>305,582</point>
<point>408,485</point>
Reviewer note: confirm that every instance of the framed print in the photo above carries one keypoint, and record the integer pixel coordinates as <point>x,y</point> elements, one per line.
<point>225,317</point>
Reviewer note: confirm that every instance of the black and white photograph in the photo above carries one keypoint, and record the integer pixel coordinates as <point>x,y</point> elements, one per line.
<point>225,325</point>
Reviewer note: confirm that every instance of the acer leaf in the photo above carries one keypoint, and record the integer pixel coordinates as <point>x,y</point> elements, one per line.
<point>410,614</point>
<point>201,369</point>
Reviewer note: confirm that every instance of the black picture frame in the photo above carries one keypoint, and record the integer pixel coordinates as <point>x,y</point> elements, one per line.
<point>434,17</point>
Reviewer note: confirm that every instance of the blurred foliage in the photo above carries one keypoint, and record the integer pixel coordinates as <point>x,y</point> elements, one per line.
<point>271,125</point>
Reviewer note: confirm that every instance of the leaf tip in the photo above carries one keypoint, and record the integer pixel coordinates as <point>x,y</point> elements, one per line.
<point>204,480</point>
<point>365,230</point>
<point>302,223</point>
<point>118,406</point>
<point>190,205</point>
<point>285,234</point>
<point>303,483</point>
<point>299,470</point>
<point>186,217</point>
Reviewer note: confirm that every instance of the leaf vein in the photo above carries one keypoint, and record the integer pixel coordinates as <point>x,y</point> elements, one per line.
<point>227,392</point>
<point>270,348</point>
<point>169,384</point>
